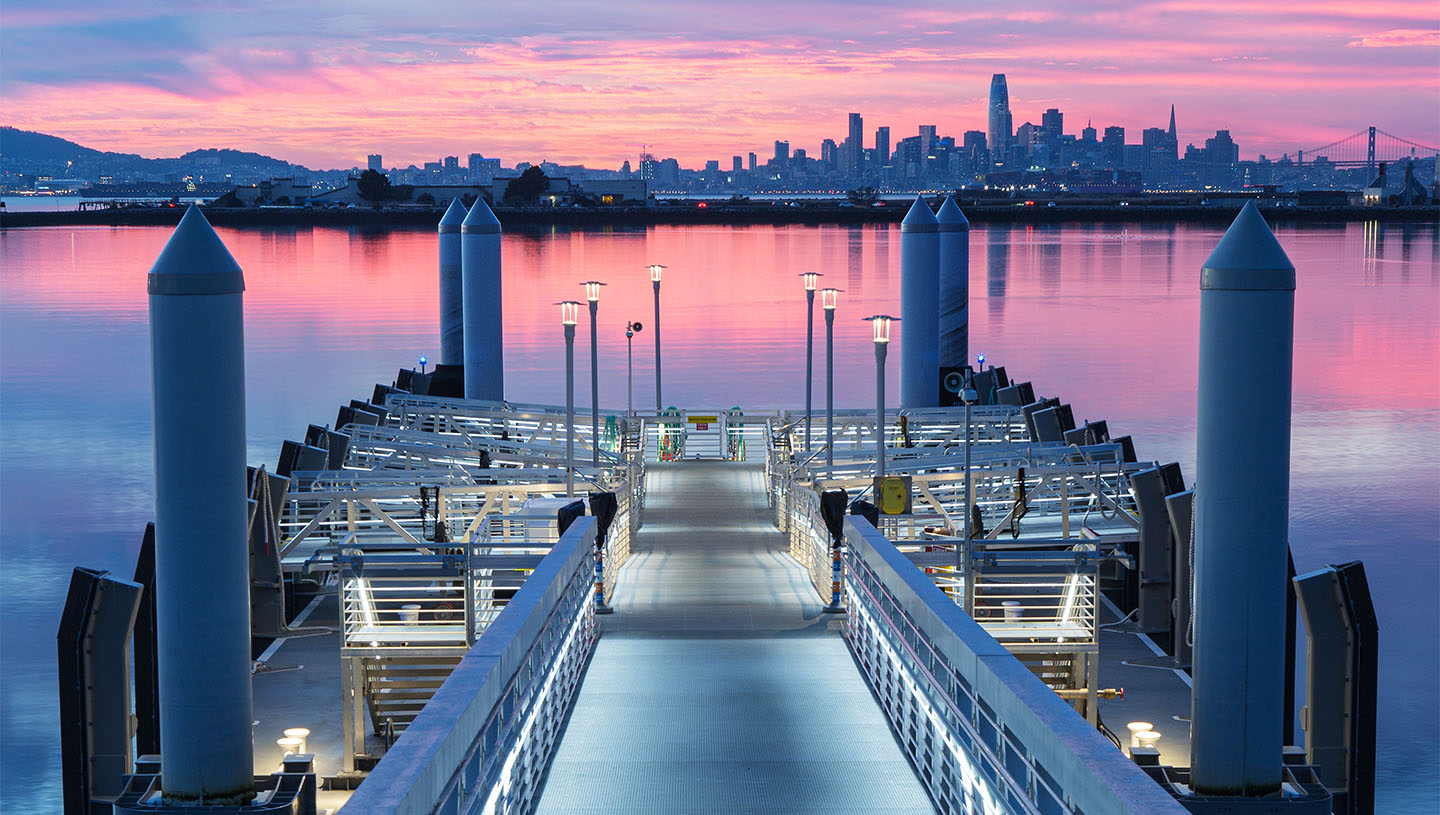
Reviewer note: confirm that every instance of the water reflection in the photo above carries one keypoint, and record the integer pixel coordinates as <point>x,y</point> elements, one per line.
<point>997,266</point>
<point>1104,316</point>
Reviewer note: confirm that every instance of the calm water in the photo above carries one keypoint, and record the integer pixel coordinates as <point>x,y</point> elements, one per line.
<point>1102,315</point>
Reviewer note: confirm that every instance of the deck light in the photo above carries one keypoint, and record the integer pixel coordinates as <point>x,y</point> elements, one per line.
<point>569,316</point>
<point>810,279</point>
<point>880,325</point>
<point>655,270</point>
<point>592,294</point>
<point>829,298</point>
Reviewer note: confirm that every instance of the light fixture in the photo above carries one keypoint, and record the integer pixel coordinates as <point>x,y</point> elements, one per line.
<point>811,278</point>
<point>301,733</point>
<point>655,270</point>
<point>829,298</point>
<point>592,290</point>
<point>880,324</point>
<point>569,312</point>
<point>1136,728</point>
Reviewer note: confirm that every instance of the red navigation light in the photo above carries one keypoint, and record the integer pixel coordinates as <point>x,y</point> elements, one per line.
<point>701,205</point>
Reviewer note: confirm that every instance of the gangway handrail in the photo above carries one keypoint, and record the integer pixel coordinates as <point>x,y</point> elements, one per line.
<point>985,715</point>
<point>485,739</point>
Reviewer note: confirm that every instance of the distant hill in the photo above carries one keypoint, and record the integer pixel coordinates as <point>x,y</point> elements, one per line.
<point>29,152</point>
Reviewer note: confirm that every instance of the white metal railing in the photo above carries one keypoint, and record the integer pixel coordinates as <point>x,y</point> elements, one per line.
<point>984,733</point>
<point>483,743</point>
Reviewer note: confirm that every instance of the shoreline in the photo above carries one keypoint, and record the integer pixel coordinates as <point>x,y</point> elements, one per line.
<point>721,215</point>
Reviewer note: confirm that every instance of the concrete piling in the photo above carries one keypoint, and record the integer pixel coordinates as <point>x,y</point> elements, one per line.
<point>484,330</point>
<point>919,312</point>
<point>202,559</point>
<point>954,289</point>
<point>452,301</point>
<point>1247,306</point>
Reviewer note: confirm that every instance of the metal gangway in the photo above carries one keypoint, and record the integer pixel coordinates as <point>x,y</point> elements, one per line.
<point>721,592</point>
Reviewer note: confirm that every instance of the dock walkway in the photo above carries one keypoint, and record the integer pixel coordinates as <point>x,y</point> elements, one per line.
<point>719,686</point>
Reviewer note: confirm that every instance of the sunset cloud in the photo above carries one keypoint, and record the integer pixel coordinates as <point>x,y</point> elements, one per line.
<point>1398,38</point>
<point>326,83</point>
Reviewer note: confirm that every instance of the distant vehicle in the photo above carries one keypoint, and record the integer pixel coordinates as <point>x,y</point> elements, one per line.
<point>879,203</point>
<point>1029,203</point>
<point>1051,204</point>
<point>1124,203</point>
<point>701,205</point>
<point>844,204</point>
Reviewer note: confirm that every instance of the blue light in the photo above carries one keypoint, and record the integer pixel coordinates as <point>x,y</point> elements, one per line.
<point>980,359</point>
<point>425,359</point>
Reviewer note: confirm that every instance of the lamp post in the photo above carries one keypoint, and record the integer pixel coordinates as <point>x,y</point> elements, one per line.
<point>592,294</point>
<point>967,566</point>
<point>569,316</point>
<point>828,301</point>
<point>655,270</point>
<point>810,280</point>
<point>631,329</point>
<point>880,325</point>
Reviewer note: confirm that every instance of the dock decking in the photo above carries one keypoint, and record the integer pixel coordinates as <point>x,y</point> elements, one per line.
<point>718,684</point>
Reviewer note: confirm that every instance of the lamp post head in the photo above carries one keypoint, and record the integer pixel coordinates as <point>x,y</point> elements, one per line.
<point>829,298</point>
<point>631,329</point>
<point>569,312</point>
<point>880,323</point>
<point>811,278</point>
<point>980,360</point>
<point>424,359</point>
<point>592,290</point>
<point>655,270</point>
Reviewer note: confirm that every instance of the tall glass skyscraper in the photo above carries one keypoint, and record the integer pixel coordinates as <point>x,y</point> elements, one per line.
<point>855,159</point>
<point>1001,131</point>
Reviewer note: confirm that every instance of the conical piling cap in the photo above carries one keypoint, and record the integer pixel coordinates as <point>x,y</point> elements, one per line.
<point>950,218</point>
<point>919,218</point>
<point>195,261</point>
<point>1248,257</point>
<point>454,217</point>
<point>481,220</point>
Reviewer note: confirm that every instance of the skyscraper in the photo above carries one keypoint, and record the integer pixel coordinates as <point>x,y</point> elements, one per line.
<point>927,142</point>
<point>857,146</point>
<point>882,147</point>
<point>374,163</point>
<point>737,164</point>
<point>1000,125</point>
<point>1175,140</point>
<point>782,151</point>
<point>1054,123</point>
<point>1112,148</point>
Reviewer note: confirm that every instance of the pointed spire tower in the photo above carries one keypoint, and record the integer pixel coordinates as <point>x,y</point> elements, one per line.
<point>483,332</point>
<point>197,357</point>
<point>1174,139</point>
<point>1247,337</point>
<point>919,309</point>
<point>452,329</point>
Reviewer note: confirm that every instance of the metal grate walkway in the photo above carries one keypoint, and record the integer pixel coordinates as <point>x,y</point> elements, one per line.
<point>718,685</point>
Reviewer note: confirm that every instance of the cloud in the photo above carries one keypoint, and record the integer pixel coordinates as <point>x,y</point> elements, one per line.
<point>1398,38</point>
<point>326,82</point>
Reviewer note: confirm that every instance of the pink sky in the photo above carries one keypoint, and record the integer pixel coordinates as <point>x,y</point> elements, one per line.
<point>325,83</point>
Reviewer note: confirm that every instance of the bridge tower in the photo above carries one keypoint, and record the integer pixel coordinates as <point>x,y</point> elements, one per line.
<point>1370,151</point>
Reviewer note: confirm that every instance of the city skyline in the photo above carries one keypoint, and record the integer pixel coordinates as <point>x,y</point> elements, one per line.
<point>572,85</point>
